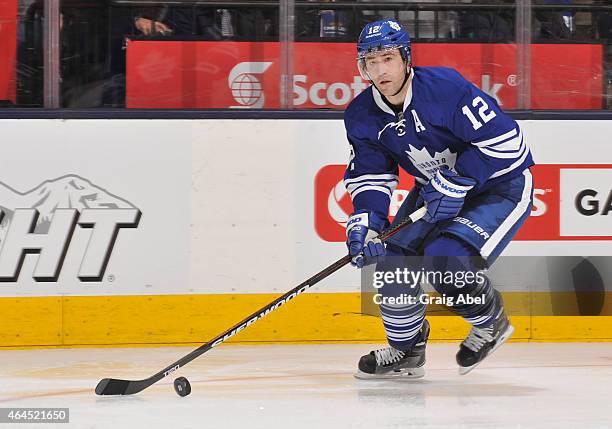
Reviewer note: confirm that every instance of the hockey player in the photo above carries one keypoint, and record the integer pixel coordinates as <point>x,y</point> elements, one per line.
<point>471,169</point>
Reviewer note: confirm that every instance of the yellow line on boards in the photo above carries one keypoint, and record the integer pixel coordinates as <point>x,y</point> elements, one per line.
<point>157,320</point>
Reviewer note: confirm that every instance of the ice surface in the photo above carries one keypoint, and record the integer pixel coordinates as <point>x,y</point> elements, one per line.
<point>523,385</point>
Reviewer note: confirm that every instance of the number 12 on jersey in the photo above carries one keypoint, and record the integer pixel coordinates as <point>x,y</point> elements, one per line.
<point>482,112</point>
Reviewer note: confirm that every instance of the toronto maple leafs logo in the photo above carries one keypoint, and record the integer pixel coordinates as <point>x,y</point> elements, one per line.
<point>427,164</point>
<point>394,25</point>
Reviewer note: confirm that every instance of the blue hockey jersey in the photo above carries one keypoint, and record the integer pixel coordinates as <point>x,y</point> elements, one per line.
<point>446,120</point>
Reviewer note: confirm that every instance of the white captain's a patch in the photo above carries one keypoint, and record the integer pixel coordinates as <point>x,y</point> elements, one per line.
<point>418,125</point>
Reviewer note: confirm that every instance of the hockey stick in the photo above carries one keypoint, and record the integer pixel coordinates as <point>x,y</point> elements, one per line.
<point>113,386</point>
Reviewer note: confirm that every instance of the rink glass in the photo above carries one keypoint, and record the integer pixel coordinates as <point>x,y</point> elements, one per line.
<point>293,54</point>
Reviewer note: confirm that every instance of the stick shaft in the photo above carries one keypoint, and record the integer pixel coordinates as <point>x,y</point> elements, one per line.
<point>124,387</point>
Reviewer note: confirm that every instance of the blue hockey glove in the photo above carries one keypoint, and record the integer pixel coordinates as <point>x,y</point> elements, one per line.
<point>444,195</point>
<point>362,230</point>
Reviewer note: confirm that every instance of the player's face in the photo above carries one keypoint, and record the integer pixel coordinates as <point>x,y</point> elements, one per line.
<point>387,70</point>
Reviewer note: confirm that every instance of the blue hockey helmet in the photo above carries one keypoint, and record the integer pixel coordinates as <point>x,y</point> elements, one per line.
<point>382,36</point>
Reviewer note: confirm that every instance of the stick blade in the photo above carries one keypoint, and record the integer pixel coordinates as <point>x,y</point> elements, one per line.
<point>112,386</point>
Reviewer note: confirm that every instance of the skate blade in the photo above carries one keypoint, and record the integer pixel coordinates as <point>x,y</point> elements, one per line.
<point>404,374</point>
<point>502,339</point>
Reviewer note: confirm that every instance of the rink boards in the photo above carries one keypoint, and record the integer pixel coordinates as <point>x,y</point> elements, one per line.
<point>174,230</point>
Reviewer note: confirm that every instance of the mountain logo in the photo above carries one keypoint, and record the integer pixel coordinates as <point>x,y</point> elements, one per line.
<point>42,221</point>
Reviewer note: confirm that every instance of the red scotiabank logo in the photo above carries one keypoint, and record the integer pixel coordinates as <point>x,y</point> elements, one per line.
<point>589,202</point>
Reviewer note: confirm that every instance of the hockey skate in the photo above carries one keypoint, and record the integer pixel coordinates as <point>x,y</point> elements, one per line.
<point>396,364</point>
<point>481,342</point>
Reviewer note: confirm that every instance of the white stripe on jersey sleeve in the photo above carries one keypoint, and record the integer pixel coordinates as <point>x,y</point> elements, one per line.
<point>371,177</point>
<point>497,139</point>
<point>509,145</point>
<point>506,155</point>
<point>382,189</point>
<point>512,167</point>
<point>391,185</point>
<point>385,183</point>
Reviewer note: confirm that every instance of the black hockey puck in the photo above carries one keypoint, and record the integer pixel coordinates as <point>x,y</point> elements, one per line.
<point>182,386</point>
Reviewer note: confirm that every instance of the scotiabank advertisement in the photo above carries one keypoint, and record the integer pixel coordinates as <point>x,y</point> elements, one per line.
<point>192,74</point>
<point>571,202</point>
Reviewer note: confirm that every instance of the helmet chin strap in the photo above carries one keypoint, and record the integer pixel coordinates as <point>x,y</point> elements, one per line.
<point>406,76</point>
